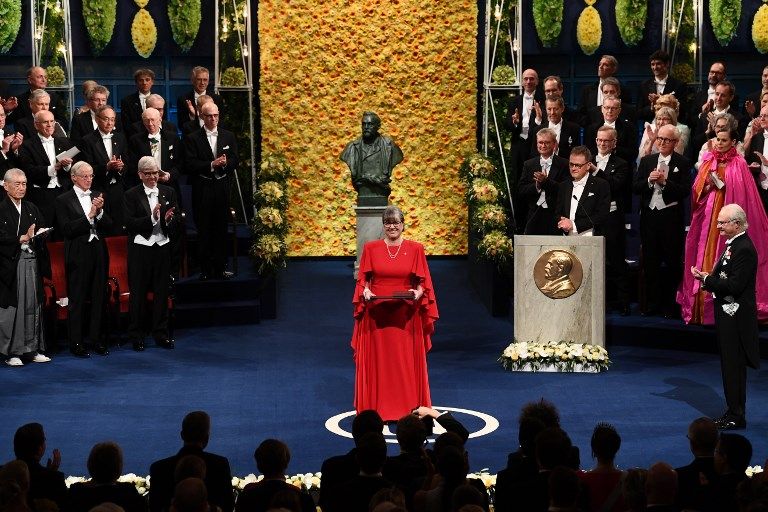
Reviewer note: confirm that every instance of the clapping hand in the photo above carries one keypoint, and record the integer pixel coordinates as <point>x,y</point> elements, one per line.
<point>516,117</point>
<point>221,161</point>
<point>749,106</point>
<point>169,214</point>
<point>55,461</point>
<point>26,237</point>
<point>97,203</point>
<point>537,109</point>
<point>762,157</point>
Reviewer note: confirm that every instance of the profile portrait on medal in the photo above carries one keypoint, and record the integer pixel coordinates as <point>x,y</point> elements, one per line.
<point>558,274</point>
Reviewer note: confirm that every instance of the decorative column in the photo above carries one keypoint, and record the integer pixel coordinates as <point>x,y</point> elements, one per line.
<point>51,30</point>
<point>681,37</point>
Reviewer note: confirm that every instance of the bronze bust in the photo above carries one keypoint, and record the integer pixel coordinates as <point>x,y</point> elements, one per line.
<point>371,159</point>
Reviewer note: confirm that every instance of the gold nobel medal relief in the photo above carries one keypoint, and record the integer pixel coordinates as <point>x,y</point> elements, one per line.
<point>558,274</point>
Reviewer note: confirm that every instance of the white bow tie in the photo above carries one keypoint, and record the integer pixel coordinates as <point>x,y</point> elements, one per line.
<point>664,160</point>
<point>107,136</point>
<point>602,158</point>
<point>150,191</point>
<point>661,82</point>
<point>548,163</point>
<point>46,140</point>
<point>212,134</point>
<point>84,194</point>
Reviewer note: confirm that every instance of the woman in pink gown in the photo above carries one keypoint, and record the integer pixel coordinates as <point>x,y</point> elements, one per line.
<point>392,335</point>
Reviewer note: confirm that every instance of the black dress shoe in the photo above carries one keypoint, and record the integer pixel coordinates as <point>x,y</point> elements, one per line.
<point>165,343</point>
<point>101,349</point>
<point>138,346</point>
<point>731,423</point>
<point>79,351</point>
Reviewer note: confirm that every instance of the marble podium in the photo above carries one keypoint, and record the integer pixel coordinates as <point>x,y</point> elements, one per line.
<point>559,290</point>
<point>368,227</point>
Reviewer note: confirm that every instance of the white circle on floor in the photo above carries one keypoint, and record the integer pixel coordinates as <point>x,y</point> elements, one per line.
<point>333,423</point>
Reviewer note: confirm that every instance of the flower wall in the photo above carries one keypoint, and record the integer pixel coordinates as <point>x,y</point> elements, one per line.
<point>323,64</point>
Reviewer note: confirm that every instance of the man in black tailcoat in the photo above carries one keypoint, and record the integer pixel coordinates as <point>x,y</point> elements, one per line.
<point>758,151</point>
<point>661,83</point>
<point>625,145</point>
<point>134,104</point>
<point>9,147</point>
<point>211,160</point>
<point>663,181</point>
<point>732,284</point>
<point>82,221</point>
<point>583,202</point>
<point>566,132</point>
<point>186,103</point>
<point>85,122</point>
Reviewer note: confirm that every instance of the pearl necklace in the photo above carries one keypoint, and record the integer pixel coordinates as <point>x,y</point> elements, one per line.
<point>389,253</point>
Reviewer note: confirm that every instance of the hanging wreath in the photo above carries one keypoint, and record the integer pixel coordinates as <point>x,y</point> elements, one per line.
<point>185,17</point>
<point>589,29</point>
<point>630,19</point>
<point>548,19</point>
<point>10,13</point>
<point>760,29</point>
<point>724,16</point>
<point>99,17</point>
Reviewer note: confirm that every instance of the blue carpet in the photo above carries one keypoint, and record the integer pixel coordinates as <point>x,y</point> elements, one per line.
<point>284,378</point>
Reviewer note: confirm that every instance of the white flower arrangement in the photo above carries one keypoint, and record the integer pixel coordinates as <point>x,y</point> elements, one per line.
<point>753,470</point>
<point>489,480</point>
<point>561,356</point>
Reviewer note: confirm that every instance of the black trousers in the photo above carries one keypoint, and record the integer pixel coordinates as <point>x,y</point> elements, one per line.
<point>662,234</point>
<point>211,210</point>
<point>616,268</point>
<point>148,271</point>
<point>733,362</point>
<point>87,284</point>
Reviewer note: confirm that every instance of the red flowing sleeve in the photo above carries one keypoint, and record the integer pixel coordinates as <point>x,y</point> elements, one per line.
<point>366,267</point>
<point>427,303</point>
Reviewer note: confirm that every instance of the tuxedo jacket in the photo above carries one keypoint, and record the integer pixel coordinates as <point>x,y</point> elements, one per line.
<point>182,112</point>
<point>171,154</point>
<point>138,127</point>
<point>138,216</point>
<point>557,174</point>
<point>592,208</point>
<point>198,154</point>
<point>678,184</point>
<point>754,97</point>
<point>8,160</point>
<point>82,125</point>
<point>12,226</point>
<point>34,161</point>
<point>95,154</point>
<point>700,134</point>
<point>588,99</point>
<point>130,112</point>
<point>75,227</point>
<point>517,105</point>
<point>694,109</point>
<point>23,110</point>
<point>645,111</point>
<point>569,137</point>
<point>758,142</point>
<point>26,127</point>
<point>733,280</point>
<point>628,114</point>
<point>626,139</point>
<point>619,179</point>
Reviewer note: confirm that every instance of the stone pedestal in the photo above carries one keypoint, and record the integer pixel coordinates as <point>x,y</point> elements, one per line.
<point>579,317</point>
<point>368,227</point>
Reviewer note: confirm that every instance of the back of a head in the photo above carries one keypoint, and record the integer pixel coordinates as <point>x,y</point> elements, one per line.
<point>107,506</point>
<point>529,428</point>
<point>471,508</point>
<point>703,436</point>
<point>105,462</point>
<point>272,457</point>
<point>287,499</point>
<point>189,466</point>
<point>411,433</point>
<point>544,410</point>
<point>190,495</point>
<point>563,488</point>
<point>14,478</point>
<point>28,440</point>
<point>605,442</point>
<point>196,428</point>
<point>661,484</point>
<point>391,495</point>
<point>365,422</point>
<point>452,465</point>
<point>467,494</point>
<point>553,448</point>
<point>633,488</point>
<point>736,450</point>
<point>371,452</point>
<point>447,439</point>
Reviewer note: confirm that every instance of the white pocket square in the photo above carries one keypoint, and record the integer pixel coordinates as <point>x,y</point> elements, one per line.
<point>225,148</point>
<point>675,169</point>
<point>590,194</point>
<point>170,147</point>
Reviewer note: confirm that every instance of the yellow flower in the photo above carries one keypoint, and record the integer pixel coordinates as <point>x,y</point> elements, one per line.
<point>589,30</point>
<point>760,29</point>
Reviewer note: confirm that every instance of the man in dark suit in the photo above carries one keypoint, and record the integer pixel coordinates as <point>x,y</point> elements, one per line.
<point>660,488</point>
<point>46,482</point>
<point>612,87</point>
<point>23,264</point>
<point>522,115</point>
<point>625,145</point>
<point>662,181</point>
<point>553,88</point>
<point>539,183</point>
<point>107,152</point>
<point>211,160</point>
<point>609,166</point>
<point>134,104</point>
<point>752,101</point>
<point>732,284</point>
<point>592,95</point>
<point>149,215</point>
<point>47,175</point>
<point>703,101</point>
<point>583,202</point>
<point>195,432</point>
<point>37,78</point>
<point>81,219</point>
<point>156,102</point>
<point>9,146</point>
<point>758,151</point>
<point>661,83</point>
<point>722,103</point>
<point>692,493</point>
<point>186,103</point>
<point>566,132</point>
<point>85,122</point>
<point>38,100</point>
<point>192,125</point>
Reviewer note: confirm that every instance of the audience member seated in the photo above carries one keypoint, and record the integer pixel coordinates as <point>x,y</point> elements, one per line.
<point>388,496</point>
<point>46,482</point>
<point>195,432</point>
<point>467,494</point>
<point>732,456</point>
<point>602,483</point>
<point>340,468</point>
<point>105,465</point>
<point>664,115</point>
<point>14,487</point>
<point>633,489</point>
<point>272,458</point>
<point>190,495</point>
<point>355,494</point>
<point>660,488</point>
<point>692,491</point>
<point>564,490</point>
<point>661,84</point>
<point>452,468</point>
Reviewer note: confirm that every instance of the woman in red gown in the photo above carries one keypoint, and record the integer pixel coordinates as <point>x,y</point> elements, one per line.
<point>392,335</point>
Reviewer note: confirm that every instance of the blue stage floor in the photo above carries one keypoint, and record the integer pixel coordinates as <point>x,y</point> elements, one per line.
<point>284,378</point>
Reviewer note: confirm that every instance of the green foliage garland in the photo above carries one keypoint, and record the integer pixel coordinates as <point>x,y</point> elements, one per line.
<point>56,76</point>
<point>548,19</point>
<point>233,77</point>
<point>724,16</point>
<point>270,225</point>
<point>100,17</point>
<point>10,13</point>
<point>185,17</point>
<point>630,18</point>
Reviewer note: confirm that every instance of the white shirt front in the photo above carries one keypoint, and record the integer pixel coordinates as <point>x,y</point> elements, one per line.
<point>157,236</point>
<point>546,164</point>
<point>213,137</point>
<point>578,190</point>
<point>50,151</point>
<point>657,200</point>
<point>143,100</point>
<point>155,142</point>
<point>660,84</point>
<point>84,196</point>
<point>106,139</point>
<point>527,108</point>
<point>557,128</point>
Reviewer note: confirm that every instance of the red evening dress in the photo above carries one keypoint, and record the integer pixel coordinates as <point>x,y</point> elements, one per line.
<point>391,337</point>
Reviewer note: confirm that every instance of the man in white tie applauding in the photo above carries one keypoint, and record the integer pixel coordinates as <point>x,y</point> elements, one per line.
<point>663,181</point>
<point>211,160</point>
<point>150,212</point>
<point>661,83</point>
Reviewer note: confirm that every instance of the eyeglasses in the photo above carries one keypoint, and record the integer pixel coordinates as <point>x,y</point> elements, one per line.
<point>84,176</point>
<point>723,222</point>
<point>665,140</point>
<point>604,141</point>
<point>110,119</point>
<point>390,223</point>
<point>150,173</point>
<point>577,166</point>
